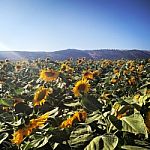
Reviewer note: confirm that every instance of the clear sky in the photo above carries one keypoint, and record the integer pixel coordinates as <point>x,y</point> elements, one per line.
<point>50,25</point>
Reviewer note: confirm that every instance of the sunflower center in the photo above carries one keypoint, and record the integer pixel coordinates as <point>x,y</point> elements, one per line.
<point>41,95</point>
<point>81,87</point>
<point>49,74</point>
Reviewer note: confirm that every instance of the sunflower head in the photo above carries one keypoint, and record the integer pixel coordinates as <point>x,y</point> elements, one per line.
<point>77,117</point>
<point>113,80</point>
<point>18,67</point>
<point>40,95</point>
<point>81,87</point>
<point>70,70</point>
<point>132,80</point>
<point>115,70</point>
<point>96,73</point>
<point>18,137</point>
<point>80,116</point>
<point>88,75</point>
<point>64,67</point>
<point>67,123</point>
<point>80,61</point>
<point>49,75</point>
<point>40,121</point>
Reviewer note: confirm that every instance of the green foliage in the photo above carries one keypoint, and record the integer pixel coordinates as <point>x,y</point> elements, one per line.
<point>114,113</point>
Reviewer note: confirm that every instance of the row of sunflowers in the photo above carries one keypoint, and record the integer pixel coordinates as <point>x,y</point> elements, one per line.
<point>74,104</point>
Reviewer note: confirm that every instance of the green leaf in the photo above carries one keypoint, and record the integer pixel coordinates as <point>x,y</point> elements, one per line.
<point>129,147</point>
<point>110,141</point>
<point>19,91</point>
<point>73,104</point>
<point>95,116</point>
<point>134,124</point>
<point>54,112</point>
<point>80,136</point>
<point>105,142</point>
<point>6,102</point>
<point>19,122</point>
<point>95,144</point>
<point>38,142</point>
<point>45,141</point>
<point>3,136</point>
<point>59,136</point>
<point>91,103</point>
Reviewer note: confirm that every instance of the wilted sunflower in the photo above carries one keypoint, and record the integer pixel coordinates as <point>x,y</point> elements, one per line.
<point>78,116</point>
<point>26,131</point>
<point>81,86</point>
<point>41,95</point>
<point>39,122</point>
<point>18,137</point>
<point>49,75</point>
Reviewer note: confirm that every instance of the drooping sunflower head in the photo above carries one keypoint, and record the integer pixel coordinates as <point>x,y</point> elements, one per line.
<point>41,95</point>
<point>40,121</point>
<point>77,117</point>
<point>88,75</point>
<point>81,87</point>
<point>49,75</point>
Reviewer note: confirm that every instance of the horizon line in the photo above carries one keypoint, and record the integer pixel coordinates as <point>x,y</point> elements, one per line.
<point>125,49</point>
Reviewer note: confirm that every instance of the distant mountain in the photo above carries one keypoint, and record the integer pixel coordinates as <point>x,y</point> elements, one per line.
<point>74,53</point>
<point>65,54</point>
<point>119,54</point>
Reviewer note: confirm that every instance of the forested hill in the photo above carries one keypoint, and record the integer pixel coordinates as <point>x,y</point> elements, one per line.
<point>74,53</point>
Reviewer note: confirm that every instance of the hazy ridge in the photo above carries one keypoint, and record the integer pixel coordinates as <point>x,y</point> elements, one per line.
<point>74,53</point>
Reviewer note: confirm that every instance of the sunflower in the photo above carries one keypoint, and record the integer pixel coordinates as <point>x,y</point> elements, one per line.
<point>132,80</point>
<point>70,70</point>
<point>113,80</point>
<point>88,75</point>
<point>41,94</point>
<point>81,86</point>
<point>18,68</point>
<point>96,73</point>
<point>64,67</point>
<point>19,135</point>
<point>39,122</point>
<point>80,61</point>
<point>115,70</point>
<point>67,123</point>
<point>78,116</point>
<point>49,75</point>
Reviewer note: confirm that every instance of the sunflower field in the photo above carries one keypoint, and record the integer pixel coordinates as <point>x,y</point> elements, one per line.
<point>75,104</point>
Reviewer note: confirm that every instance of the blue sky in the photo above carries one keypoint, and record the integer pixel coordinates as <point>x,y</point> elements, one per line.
<point>50,25</point>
